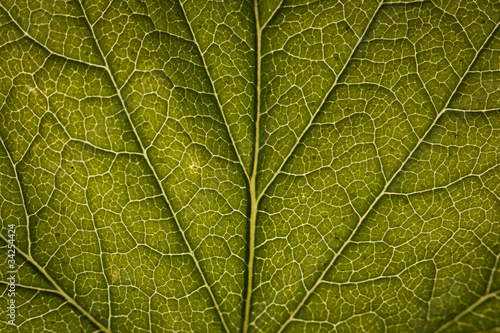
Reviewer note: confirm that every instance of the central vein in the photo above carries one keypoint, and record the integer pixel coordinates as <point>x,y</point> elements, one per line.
<point>253,180</point>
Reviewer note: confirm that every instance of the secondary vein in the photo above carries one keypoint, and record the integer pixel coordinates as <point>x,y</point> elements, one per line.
<point>384,190</point>
<point>153,171</point>
<point>32,260</point>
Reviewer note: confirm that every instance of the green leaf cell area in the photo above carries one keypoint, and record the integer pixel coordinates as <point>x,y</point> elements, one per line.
<point>250,166</point>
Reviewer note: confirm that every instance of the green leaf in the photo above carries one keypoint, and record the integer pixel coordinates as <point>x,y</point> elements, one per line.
<point>267,166</point>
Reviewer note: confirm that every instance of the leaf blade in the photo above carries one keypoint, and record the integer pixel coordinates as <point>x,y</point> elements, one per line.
<point>338,160</point>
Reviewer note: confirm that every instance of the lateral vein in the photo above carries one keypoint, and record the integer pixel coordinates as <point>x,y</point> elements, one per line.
<point>153,171</point>
<point>384,190</point>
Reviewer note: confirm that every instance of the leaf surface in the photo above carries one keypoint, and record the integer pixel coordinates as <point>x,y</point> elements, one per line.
<point>267,166</point>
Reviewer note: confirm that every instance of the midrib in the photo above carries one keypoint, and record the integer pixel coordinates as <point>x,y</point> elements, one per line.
<point>254,200</point>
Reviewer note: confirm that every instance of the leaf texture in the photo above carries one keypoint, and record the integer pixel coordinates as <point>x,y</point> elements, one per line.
<point>255,166</point>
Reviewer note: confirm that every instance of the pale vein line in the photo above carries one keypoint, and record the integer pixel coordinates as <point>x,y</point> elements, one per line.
<point>226,123</point>
<point>32,142</point>
<point>325,98</point>
<point>270,17</point>
<point>493,273</point>
<point>60,291</point>
<point>21,192</point>
<point>474,111</point>
<point>68,298</point>
<point>417,65</point>
<point>443,187</point>
<point>87,143</point>
<point>491,192</point>
<point>105,150</point>
<point>468,310</point>
<point>383,192</point>
<point>146,158</point>
<point>39,289</point>
<point>27,35</point>
<point>100,257</point>
<point>253,182</point>
<point>433,285</point>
